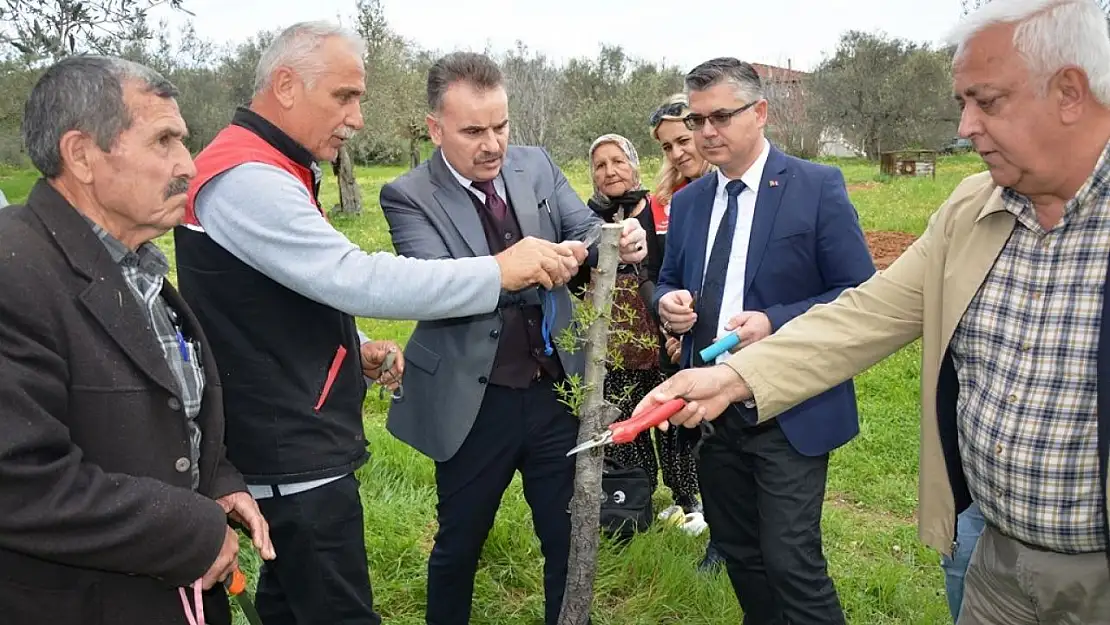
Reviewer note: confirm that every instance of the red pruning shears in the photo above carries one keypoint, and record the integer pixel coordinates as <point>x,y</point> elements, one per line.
<point>626,431</point>
<point>237,587</point>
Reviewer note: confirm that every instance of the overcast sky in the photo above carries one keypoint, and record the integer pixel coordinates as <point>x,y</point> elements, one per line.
<point>679,32</point>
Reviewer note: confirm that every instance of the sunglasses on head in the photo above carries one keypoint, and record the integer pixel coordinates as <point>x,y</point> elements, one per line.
<point>720,119</point>
<point>667,110</point>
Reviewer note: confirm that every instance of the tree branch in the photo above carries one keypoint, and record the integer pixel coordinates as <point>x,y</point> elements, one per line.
<point>585,505</point>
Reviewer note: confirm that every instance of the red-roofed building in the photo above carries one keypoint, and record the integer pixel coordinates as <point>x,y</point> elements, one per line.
<point>790,123</point>
<point>771,74</point>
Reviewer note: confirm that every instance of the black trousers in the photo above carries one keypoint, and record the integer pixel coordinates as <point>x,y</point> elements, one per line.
<point>320,575</point>
<point>524,430</point>
<point>763,504</point>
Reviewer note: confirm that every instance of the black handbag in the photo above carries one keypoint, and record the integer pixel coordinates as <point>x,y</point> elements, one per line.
<point>626,506</point>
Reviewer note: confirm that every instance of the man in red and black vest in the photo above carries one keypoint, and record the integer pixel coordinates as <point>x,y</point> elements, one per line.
<point>277,288</point>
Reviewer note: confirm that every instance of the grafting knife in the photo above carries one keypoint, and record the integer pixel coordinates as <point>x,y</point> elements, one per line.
<point>237,587</point>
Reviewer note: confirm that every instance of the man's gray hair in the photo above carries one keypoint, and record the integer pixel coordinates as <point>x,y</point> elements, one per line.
<point>1050,35</point>
<point>297,48</point>
<point>83,93</point>
<point>742,76</point>
<point>477,70</point>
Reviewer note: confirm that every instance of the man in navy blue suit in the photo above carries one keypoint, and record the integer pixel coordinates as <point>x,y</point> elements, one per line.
<point>751,247</point>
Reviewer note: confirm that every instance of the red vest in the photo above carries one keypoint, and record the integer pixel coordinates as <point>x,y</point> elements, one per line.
<point>289,365</point>
<point>233,146</point>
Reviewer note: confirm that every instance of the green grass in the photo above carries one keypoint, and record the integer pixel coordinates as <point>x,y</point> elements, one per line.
<point>16,183</point>
<point>884,575</point>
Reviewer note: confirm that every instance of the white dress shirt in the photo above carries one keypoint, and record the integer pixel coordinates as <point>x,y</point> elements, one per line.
<point>732,303</point>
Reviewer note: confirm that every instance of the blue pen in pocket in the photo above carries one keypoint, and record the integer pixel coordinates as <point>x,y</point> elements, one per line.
<point>183,346</point>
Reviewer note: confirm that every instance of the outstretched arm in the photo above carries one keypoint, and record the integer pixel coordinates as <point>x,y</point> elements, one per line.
<point>265,217</point>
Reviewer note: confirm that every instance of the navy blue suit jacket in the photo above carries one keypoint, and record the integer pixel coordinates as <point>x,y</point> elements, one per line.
<point>806,247</point>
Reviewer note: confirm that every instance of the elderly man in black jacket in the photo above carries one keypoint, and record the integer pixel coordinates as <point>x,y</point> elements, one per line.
<point>115,493</point>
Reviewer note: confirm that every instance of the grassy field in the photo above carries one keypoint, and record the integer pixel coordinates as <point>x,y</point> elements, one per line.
<point>884,575</point>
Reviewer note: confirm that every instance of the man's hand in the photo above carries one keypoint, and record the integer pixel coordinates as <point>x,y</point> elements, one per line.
<point>534,261</point>
<point>633,243</point>
<point>750,327</point>
<point>707,391</point>
<point>677,311</point>
<point>674,349</point>
<point>226,562</point>
<point>373,355</point>
<point>577,248</point>
<point>242,508</point>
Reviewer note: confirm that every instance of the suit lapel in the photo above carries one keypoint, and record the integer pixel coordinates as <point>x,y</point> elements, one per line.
<point>108,298</point>
<point>768,198</point>
<point>114,306</point>
<point>965,273</point>
<point>522,199</point>
<point>1102,428</point>
<point>699,235</point>
<point>701,212</point>
<point>457,206</point>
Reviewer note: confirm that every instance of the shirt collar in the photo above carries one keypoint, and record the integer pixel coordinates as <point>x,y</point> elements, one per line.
<point>1096,186</point>
<point>498,182</point>
<point>753,176</point>
<point>463,180</point>
<point>148,258</point>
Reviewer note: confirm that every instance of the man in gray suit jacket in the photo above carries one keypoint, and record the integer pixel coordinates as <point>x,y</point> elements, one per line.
<point>480,388</point>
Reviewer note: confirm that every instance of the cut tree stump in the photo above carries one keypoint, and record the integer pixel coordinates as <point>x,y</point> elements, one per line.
<point>596,415</point>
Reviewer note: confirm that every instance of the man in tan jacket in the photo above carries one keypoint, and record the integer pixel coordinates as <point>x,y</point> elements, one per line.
<point>1006,289</point>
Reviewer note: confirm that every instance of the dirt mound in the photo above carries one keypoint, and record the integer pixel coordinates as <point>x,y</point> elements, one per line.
<point>887,246</point>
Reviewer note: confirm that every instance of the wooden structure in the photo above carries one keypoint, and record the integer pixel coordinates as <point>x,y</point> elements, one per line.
<point>909,163</point>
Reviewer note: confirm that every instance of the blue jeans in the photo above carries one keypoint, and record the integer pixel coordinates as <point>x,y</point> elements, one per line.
<point>969,526</point>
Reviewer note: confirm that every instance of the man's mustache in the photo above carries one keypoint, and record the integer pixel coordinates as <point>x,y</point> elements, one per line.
<point>487,157</point>
<point>177,186</point>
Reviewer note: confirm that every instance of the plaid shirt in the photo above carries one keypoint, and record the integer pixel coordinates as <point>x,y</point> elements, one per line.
<point>1026,353</point>
<point>144,271</point>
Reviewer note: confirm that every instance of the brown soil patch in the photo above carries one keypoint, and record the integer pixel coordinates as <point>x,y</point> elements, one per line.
<point>887,246</point>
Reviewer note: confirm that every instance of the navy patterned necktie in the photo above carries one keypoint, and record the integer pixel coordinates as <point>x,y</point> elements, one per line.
<point>712,293</point>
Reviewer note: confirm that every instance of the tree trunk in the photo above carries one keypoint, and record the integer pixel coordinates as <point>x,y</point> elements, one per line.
<point>414,152</point>
<point>597,414</point>
<point>350,195</point>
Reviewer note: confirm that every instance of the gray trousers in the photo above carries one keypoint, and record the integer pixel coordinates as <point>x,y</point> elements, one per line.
<point>1010,583</point>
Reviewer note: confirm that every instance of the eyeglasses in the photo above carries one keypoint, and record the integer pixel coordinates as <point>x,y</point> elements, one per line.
<point>673,109</point>
<point>720,119</point>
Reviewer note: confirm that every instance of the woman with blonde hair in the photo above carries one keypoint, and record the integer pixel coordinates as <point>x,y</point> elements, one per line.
<point>682,163</point>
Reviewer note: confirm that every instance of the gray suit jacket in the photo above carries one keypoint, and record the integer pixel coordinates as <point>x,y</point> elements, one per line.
<point>449,361</point>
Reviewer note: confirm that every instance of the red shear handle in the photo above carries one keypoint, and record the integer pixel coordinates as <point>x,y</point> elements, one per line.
<point>627,431</point>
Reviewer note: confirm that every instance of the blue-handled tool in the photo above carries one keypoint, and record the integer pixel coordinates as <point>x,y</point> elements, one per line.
<point>722,345</point>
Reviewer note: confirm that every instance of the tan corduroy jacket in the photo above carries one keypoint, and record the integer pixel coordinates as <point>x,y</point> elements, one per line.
<point>923,294</point>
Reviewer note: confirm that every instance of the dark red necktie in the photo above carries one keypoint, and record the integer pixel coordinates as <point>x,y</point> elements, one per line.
<point>494,203</point>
